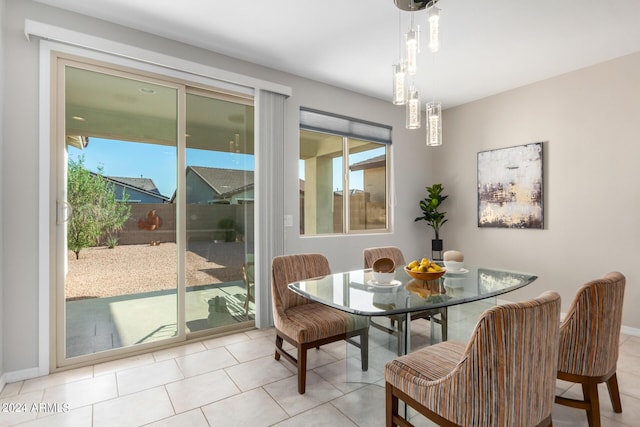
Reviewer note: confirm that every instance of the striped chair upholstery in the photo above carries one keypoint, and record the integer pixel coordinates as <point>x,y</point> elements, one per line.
<point>504,376</point>
<point>373,254</point>
<point>306,324</point>
<point>589,342</point>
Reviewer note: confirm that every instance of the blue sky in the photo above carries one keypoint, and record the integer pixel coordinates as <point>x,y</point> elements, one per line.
<point>159,162</point>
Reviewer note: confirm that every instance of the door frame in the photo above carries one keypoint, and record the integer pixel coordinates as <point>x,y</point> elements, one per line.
<point>68,42</point>
<point>59,181</point>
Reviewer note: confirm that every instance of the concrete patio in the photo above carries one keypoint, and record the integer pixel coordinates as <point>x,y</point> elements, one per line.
<point>98,324</point>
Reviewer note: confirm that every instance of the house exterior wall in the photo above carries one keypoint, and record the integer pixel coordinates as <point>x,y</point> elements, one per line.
<point>136,196</point>
<point>198,191</point>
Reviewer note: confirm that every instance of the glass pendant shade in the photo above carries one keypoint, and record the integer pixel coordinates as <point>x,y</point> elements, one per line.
<point>434,124</point>
<point>412,42</point>
<point>434,29</point>
<point>399,84</point>
<point>413,109</point>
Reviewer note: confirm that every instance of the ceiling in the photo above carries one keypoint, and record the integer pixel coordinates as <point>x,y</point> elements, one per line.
<point>135,109</point>
<point>487,47</point>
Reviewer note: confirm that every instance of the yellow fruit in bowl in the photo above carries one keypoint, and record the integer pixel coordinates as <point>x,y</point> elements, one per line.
<point>424,270</point>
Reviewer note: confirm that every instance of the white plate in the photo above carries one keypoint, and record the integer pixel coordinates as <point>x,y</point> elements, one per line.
<point>391,284</point>
<point>454,272</point>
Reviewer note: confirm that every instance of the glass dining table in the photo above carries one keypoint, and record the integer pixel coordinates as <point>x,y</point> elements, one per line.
<point>357,292</point>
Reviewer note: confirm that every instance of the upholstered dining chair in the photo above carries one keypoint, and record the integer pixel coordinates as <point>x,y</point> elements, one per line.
<point>306,324</point>
<point>504,376</point>
<point>589,341</point>
<point>373,254</point>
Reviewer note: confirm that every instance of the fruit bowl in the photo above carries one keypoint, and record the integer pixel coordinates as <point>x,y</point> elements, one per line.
<point>425,275</point>
<point>425,289</point>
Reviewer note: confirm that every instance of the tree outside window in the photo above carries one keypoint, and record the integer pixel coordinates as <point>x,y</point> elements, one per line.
<point>96,213</point>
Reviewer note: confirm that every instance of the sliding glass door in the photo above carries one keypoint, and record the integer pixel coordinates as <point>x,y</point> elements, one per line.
<point>154,212</point>
<point>219,195</point>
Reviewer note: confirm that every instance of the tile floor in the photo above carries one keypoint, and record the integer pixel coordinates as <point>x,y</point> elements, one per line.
<point>235,381</point>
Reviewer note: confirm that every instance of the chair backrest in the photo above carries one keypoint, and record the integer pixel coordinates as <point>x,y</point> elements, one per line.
<point>590,333</point>
<point>292,268</point>
<point>372,254</point>
<point>508,370</point>
<point>248,273</point>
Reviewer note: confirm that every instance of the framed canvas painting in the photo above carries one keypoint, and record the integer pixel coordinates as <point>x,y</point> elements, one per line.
<point>510,187</point>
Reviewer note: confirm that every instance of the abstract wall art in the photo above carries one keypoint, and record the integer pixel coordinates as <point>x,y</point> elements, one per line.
<point>510,187</point>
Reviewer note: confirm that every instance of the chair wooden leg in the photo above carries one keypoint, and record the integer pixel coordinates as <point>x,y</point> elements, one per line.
<point>391,404</point>
<point>302,368</point>
<point>614,393</point>
<point>278,346</point>
<point>590,391</point>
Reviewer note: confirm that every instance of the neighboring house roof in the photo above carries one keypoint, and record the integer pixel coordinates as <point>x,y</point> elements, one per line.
<point>225,181</point>
<point>374,162</point>
<point>143,185</point>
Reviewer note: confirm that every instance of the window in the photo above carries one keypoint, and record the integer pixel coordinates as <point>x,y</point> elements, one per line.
<point>343,174</point>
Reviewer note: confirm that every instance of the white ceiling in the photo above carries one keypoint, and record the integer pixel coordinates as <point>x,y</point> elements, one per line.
<point>487,46</point>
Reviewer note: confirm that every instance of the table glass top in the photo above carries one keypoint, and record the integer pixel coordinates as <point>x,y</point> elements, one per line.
<point>356,292</point>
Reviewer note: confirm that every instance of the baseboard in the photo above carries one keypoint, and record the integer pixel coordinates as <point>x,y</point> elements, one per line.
<point>2,382</point>
<point>25,374</point>
<point>627,330</point>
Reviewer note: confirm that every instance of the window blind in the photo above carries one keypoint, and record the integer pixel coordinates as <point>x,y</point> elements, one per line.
<point>344,126</point>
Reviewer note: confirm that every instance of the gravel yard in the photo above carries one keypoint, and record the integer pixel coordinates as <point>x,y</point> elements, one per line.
<point>130,269</point>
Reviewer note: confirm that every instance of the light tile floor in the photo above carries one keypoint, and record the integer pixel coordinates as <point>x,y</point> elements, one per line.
<point>235,381</point>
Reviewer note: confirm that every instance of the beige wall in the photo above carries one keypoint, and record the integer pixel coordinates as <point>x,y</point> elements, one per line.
<point>590,123</point>
<point>587,118</point>
<point>1,194</point>
<point>20,244</point>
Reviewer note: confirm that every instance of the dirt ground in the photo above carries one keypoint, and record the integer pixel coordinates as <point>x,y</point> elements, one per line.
<point>130,269</point>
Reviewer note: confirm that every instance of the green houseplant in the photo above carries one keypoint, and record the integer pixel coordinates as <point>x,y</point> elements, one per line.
<point>229,227</point>
<point>431,213</point>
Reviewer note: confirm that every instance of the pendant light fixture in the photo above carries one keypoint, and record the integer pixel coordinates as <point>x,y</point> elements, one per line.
<point>400,86</point>
<point>413,109</point>
<point>434,29</point>
<point>412,43</point>
<point>409,67</point>
<point>434,124</point>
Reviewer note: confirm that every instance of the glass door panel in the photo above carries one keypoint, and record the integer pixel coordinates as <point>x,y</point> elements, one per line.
<point>219,211</point>
<point>367,185</point>
<point>120,254</point>
<point>321,167</point>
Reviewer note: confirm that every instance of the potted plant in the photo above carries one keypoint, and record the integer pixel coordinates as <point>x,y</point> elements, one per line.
<point>228,225</point>
<point>431,213</point>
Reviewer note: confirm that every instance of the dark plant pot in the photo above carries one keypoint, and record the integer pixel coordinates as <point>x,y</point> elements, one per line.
<point>436,245</point>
